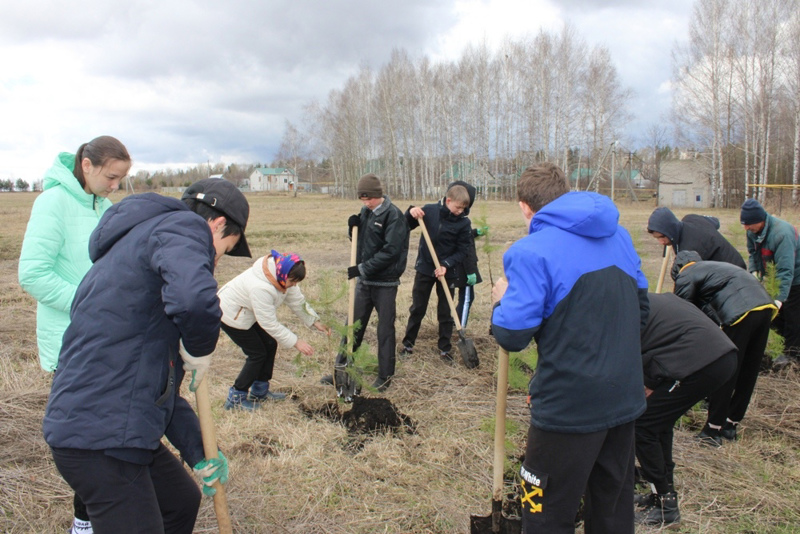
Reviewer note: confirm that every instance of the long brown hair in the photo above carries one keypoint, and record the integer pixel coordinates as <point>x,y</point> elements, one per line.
<point>99,150</point>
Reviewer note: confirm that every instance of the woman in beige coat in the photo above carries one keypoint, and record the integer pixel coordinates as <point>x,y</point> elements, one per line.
<point>249,305</point>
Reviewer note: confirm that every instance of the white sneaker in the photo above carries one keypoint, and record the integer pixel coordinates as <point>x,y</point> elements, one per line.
<point>79,526</point>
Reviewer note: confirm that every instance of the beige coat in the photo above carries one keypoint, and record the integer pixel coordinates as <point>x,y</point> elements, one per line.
<point>251,298</point>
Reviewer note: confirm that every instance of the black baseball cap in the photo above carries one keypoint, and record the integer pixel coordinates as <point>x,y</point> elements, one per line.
<point>225,197</point>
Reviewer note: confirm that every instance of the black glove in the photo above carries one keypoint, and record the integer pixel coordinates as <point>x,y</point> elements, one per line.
<point>352,272</point>
<point>353,220</point>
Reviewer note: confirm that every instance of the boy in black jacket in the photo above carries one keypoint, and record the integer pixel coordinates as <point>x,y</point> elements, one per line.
<point>450,233</point>
<point>685,357</point>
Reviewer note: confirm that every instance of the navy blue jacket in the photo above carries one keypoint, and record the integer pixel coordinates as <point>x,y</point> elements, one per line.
<point>450,235</point>
<point>119,372</point>
<point>575,286</point>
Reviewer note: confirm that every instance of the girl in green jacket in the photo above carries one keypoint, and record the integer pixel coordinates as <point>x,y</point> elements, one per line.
<point>55,250</point>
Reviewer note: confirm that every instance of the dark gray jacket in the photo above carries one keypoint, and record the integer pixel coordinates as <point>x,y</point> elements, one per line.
<point>724,292</point>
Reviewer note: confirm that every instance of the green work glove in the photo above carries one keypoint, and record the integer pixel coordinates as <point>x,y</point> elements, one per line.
<point>483,230</point>
<point>210,471</point>
<point>471,279</point>
<point>197,365</point>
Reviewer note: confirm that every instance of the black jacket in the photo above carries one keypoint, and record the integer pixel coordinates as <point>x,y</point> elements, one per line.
<point>695,232</point>
<point>724,292</point>
<point>678,340</point>
<point>382,251</point>
<point>470,263</point>
<point>450,235</point>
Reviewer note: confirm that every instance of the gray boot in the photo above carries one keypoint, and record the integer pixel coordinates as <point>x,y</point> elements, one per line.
<point>260,392</point>
<point>238,400</point>
<point>663,511</point>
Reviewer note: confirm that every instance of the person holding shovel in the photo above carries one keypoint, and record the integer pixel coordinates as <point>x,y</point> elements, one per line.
<point>55,251</point>
<point>450,232</point>
<point>575,285</point>
<point>694,232</point>
<point>249,306</point>
<point>381,257</point>
<point>146,313</point>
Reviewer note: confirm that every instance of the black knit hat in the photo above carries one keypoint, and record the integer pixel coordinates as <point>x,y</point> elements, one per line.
<point>225,197</point>
<point>752,212</point>
<point>369,186</point>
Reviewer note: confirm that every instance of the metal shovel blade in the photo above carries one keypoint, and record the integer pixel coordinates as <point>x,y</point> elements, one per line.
<point>467,350</point>
<point>495,523</point>
<point>346,385</point>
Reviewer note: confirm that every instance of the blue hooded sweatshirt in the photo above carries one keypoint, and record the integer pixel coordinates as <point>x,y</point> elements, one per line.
<point>575,286</point>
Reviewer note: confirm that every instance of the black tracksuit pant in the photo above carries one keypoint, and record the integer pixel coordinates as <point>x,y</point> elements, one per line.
<point>382,299</point>
<point>750,336</point>
<point>420,294</point>
<point>559,468</point>
<point>665,405</point>
<point>466,296</point>
<point>787,324</point>
<point>127,498</point>
<point>260,349</point>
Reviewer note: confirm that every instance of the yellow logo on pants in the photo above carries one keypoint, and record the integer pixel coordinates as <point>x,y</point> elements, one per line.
<point>528,495</point>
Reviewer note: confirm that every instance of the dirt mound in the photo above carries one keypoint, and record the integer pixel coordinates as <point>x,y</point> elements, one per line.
<point>367,416</point>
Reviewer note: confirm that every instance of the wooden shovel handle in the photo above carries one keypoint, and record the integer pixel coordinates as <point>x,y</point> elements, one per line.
<point>351,310</point>
<point>664,264</point>
<point>500,425</point>
<point>211,451</point>
<point>441,278</point>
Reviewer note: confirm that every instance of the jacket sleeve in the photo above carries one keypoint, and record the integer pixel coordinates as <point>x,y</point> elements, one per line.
<point>183,431</point>
<point>519,314</point>
<point>266,312</point>
<point>753,265</point>
<point>44,239</point>
<point>296,302</point>
<point>183,253</point>
<point>784,255</point>
<point>394,241</point>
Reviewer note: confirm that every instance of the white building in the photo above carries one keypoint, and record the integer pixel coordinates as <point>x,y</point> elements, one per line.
<point>272,179</point>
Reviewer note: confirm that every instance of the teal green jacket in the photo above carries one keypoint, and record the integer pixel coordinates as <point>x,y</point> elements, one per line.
<point>55,252</point>
<point>776,243</point>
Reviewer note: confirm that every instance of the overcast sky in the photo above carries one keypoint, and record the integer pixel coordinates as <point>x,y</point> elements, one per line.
<point>182,82</point>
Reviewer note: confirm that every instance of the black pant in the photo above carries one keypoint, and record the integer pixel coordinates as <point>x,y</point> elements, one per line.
<point>260,349</point>
<point>382,299</point>
<point>787,323</point>
<point>665,405</point>
<point>560,468</point>
<point>750,336</point>
<point>420,294</point>
<point>466,296</point>
<point>127,498</point>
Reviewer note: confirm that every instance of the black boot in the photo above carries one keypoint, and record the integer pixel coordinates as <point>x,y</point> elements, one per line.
<point>644,500</point>
<point>664,511</point>
<point>710,437</point>
<point>729,431</point>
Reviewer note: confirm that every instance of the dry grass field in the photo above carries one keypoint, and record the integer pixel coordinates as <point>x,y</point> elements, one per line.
<point>295,471</point>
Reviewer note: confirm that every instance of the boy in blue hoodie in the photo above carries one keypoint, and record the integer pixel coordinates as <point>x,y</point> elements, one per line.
<point>575,286</point>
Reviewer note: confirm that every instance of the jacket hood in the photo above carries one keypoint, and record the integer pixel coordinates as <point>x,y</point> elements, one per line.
<point>682,259</point>
<point>122,217</point>
<point>60,174</point>
<point>665,222</point>
<point>581,213</point>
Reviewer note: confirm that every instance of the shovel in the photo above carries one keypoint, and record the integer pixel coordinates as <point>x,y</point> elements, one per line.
<point>345,385</point>
<point>497,521</point>
<point>210,451</point>
<point>465,346</point>
<point>664,265</point>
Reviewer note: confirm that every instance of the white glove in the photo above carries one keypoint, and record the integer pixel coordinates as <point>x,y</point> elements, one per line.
<point>755,273</point>
<point>197,365</point>
<point>778,304</point>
